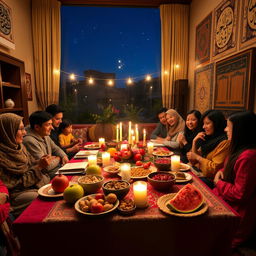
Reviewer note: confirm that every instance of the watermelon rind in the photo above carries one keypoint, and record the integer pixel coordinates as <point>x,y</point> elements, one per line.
<point>185,191</point>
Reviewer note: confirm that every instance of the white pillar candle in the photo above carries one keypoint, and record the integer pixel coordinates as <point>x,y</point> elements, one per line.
<point>129,132</point>
<point>105,158</point>
<point>144,137</point>
<point>150,147</point>
<point>123,146</point>
<point>125,171</point>
<point>175,163</point>
<point>101,141</point>
<point>92,159</point>
<point>136,134</point>
<point>140,194</point>
<point>117,133</point>
<point>121,131</point>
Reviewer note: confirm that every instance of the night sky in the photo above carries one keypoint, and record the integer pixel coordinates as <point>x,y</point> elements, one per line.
<point>125,41</point>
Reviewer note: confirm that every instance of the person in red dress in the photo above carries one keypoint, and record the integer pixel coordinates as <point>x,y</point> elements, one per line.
<point>236,182</point>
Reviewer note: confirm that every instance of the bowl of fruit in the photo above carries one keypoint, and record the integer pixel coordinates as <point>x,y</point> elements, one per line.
<point>161,180</point>
<point>162,164</point>
<point>90,183</point>
<point>118,187</point>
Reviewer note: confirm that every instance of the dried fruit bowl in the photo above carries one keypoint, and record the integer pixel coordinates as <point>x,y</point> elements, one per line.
<point>162,164</point>
<point>119,187</point>
<point>165,180</point>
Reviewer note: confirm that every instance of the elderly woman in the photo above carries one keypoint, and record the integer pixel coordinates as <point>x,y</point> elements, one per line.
<point>19,172</point>
<point>210,147</point>
<point>175,126</point>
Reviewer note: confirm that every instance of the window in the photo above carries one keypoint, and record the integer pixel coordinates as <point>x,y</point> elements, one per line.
<point>103,47</point>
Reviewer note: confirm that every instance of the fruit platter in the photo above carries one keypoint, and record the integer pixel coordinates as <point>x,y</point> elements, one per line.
<point>97,204</point>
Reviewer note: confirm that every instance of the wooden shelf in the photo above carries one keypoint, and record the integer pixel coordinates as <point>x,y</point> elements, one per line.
<point>4,110</point>
<point>10,85</point>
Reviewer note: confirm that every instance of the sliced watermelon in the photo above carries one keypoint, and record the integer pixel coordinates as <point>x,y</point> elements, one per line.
<point>187,200</point>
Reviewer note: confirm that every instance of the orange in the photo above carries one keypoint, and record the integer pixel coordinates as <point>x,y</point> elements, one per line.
<point>112,151</point>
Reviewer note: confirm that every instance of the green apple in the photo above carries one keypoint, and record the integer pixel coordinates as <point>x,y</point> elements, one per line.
<point>73,192</point>
<point>93,169</point>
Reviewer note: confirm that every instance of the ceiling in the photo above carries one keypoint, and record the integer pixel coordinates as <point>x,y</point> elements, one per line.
<point>135,3</point>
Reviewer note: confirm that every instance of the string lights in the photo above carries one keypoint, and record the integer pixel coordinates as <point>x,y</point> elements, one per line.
<point>111,82</point>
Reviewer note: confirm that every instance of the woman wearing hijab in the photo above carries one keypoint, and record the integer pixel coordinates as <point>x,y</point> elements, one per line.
<point>210,147</point>
<point>19,172</point>
<point>192,128</point>
<point>235,183</point>
<point>175,126</point>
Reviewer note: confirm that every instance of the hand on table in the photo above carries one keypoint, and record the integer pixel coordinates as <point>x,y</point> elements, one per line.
<point>64,160</point>
<point>219,176</point>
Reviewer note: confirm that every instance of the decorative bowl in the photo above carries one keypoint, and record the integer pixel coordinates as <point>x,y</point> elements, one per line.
<point>165,180</point>
<point>127,207</point>
<point>90,187</point>
<point>162,163</point>
<point>119,187</point>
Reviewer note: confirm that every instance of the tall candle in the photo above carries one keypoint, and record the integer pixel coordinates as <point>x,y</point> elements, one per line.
<point>125,171</point>
<point>105,158</point>
<point>136,134</point>
<point>123,146</point>
<point>101,141</point>
<point>129,132</point>
<point>117,133</point>
<point>133,140</point>
<point>175,163</point>
<point>140,194</point>
<point>92,159</point>
<point>144,137</point>
<point>150,147</point>
<point>121,131</point>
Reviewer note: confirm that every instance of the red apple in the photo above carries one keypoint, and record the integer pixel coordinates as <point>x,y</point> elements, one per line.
<point>139,163</point>
<point>142,151</point>
<point>126,154</point>
<point>97,208</point>
<point>137,157</point>
<point>117,156</point>
<point>59,183</point>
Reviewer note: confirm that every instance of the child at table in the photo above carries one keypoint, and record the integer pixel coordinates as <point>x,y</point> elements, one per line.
<point>67,140</point>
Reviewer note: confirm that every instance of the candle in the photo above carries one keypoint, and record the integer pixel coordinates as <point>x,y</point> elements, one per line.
<point>144,137</point>
<point>105,158</point>
<point>175,163</point>
<point>125,171</point>
<point>133,140</point>
<point>101,141</point>
<point>140,194</point>
<point>121,131</point>
<point>136,134</point>
<point>92,159</point>
<point>150,147</point>
<point>123,146</point>
<point>117,133</point>
<point>129,132</point>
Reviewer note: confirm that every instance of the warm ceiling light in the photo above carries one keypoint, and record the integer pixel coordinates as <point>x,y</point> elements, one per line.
<point>72,77</point>
<point>90,81</point>
<point>110,82</point>
<point>129,81</point>
<point>148,77</point>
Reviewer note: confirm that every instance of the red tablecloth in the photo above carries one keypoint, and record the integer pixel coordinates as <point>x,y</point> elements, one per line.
<point>52,227</point>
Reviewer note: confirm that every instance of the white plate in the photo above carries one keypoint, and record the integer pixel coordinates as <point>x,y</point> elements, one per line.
<point>168,153</point>
<point>92,146</point>
<point>93,214</point>
<point>47,191</point>
<point>184,167</point>
<point>188,178</point>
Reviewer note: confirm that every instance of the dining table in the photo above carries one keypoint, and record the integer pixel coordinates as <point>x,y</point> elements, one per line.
<point>51,226</point>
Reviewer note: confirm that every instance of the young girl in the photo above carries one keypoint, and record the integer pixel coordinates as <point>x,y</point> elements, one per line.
<point>67,140</point>
<point>235,183</point>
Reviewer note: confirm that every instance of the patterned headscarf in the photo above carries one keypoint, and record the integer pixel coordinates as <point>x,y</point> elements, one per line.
<point>178,126</point>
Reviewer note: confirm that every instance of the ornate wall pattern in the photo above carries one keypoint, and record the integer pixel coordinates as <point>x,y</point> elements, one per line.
<point>203,88</point>
<point>203,40</point>
<point>225,28</point>
<point>248,23</point>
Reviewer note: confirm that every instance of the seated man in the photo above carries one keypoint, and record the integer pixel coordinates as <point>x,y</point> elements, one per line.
<point>160,130</point>
<point>39,143</point>
<point>57,116</point>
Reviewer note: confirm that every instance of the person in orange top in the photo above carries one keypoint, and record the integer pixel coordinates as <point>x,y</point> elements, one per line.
<point>210,147</point>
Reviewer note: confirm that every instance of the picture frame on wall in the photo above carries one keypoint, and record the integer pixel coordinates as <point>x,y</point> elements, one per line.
<point>203,40</point>
<point>6,28</point>
<point>248,25</point>
<point>203,88</point>
<point>225,28</point>
<point>28,86</point>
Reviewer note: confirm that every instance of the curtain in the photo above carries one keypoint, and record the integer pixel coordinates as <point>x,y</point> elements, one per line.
<point>174,36</point>
<point>46,41</point>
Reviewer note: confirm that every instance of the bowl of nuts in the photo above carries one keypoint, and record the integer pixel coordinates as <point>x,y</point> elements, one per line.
<point>126,207</point>
<point>91,183</point>
<point>119,187</point>
<point>161,180</point>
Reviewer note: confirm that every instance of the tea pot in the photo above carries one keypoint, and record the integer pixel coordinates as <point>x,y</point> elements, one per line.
<point>9,103</point>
